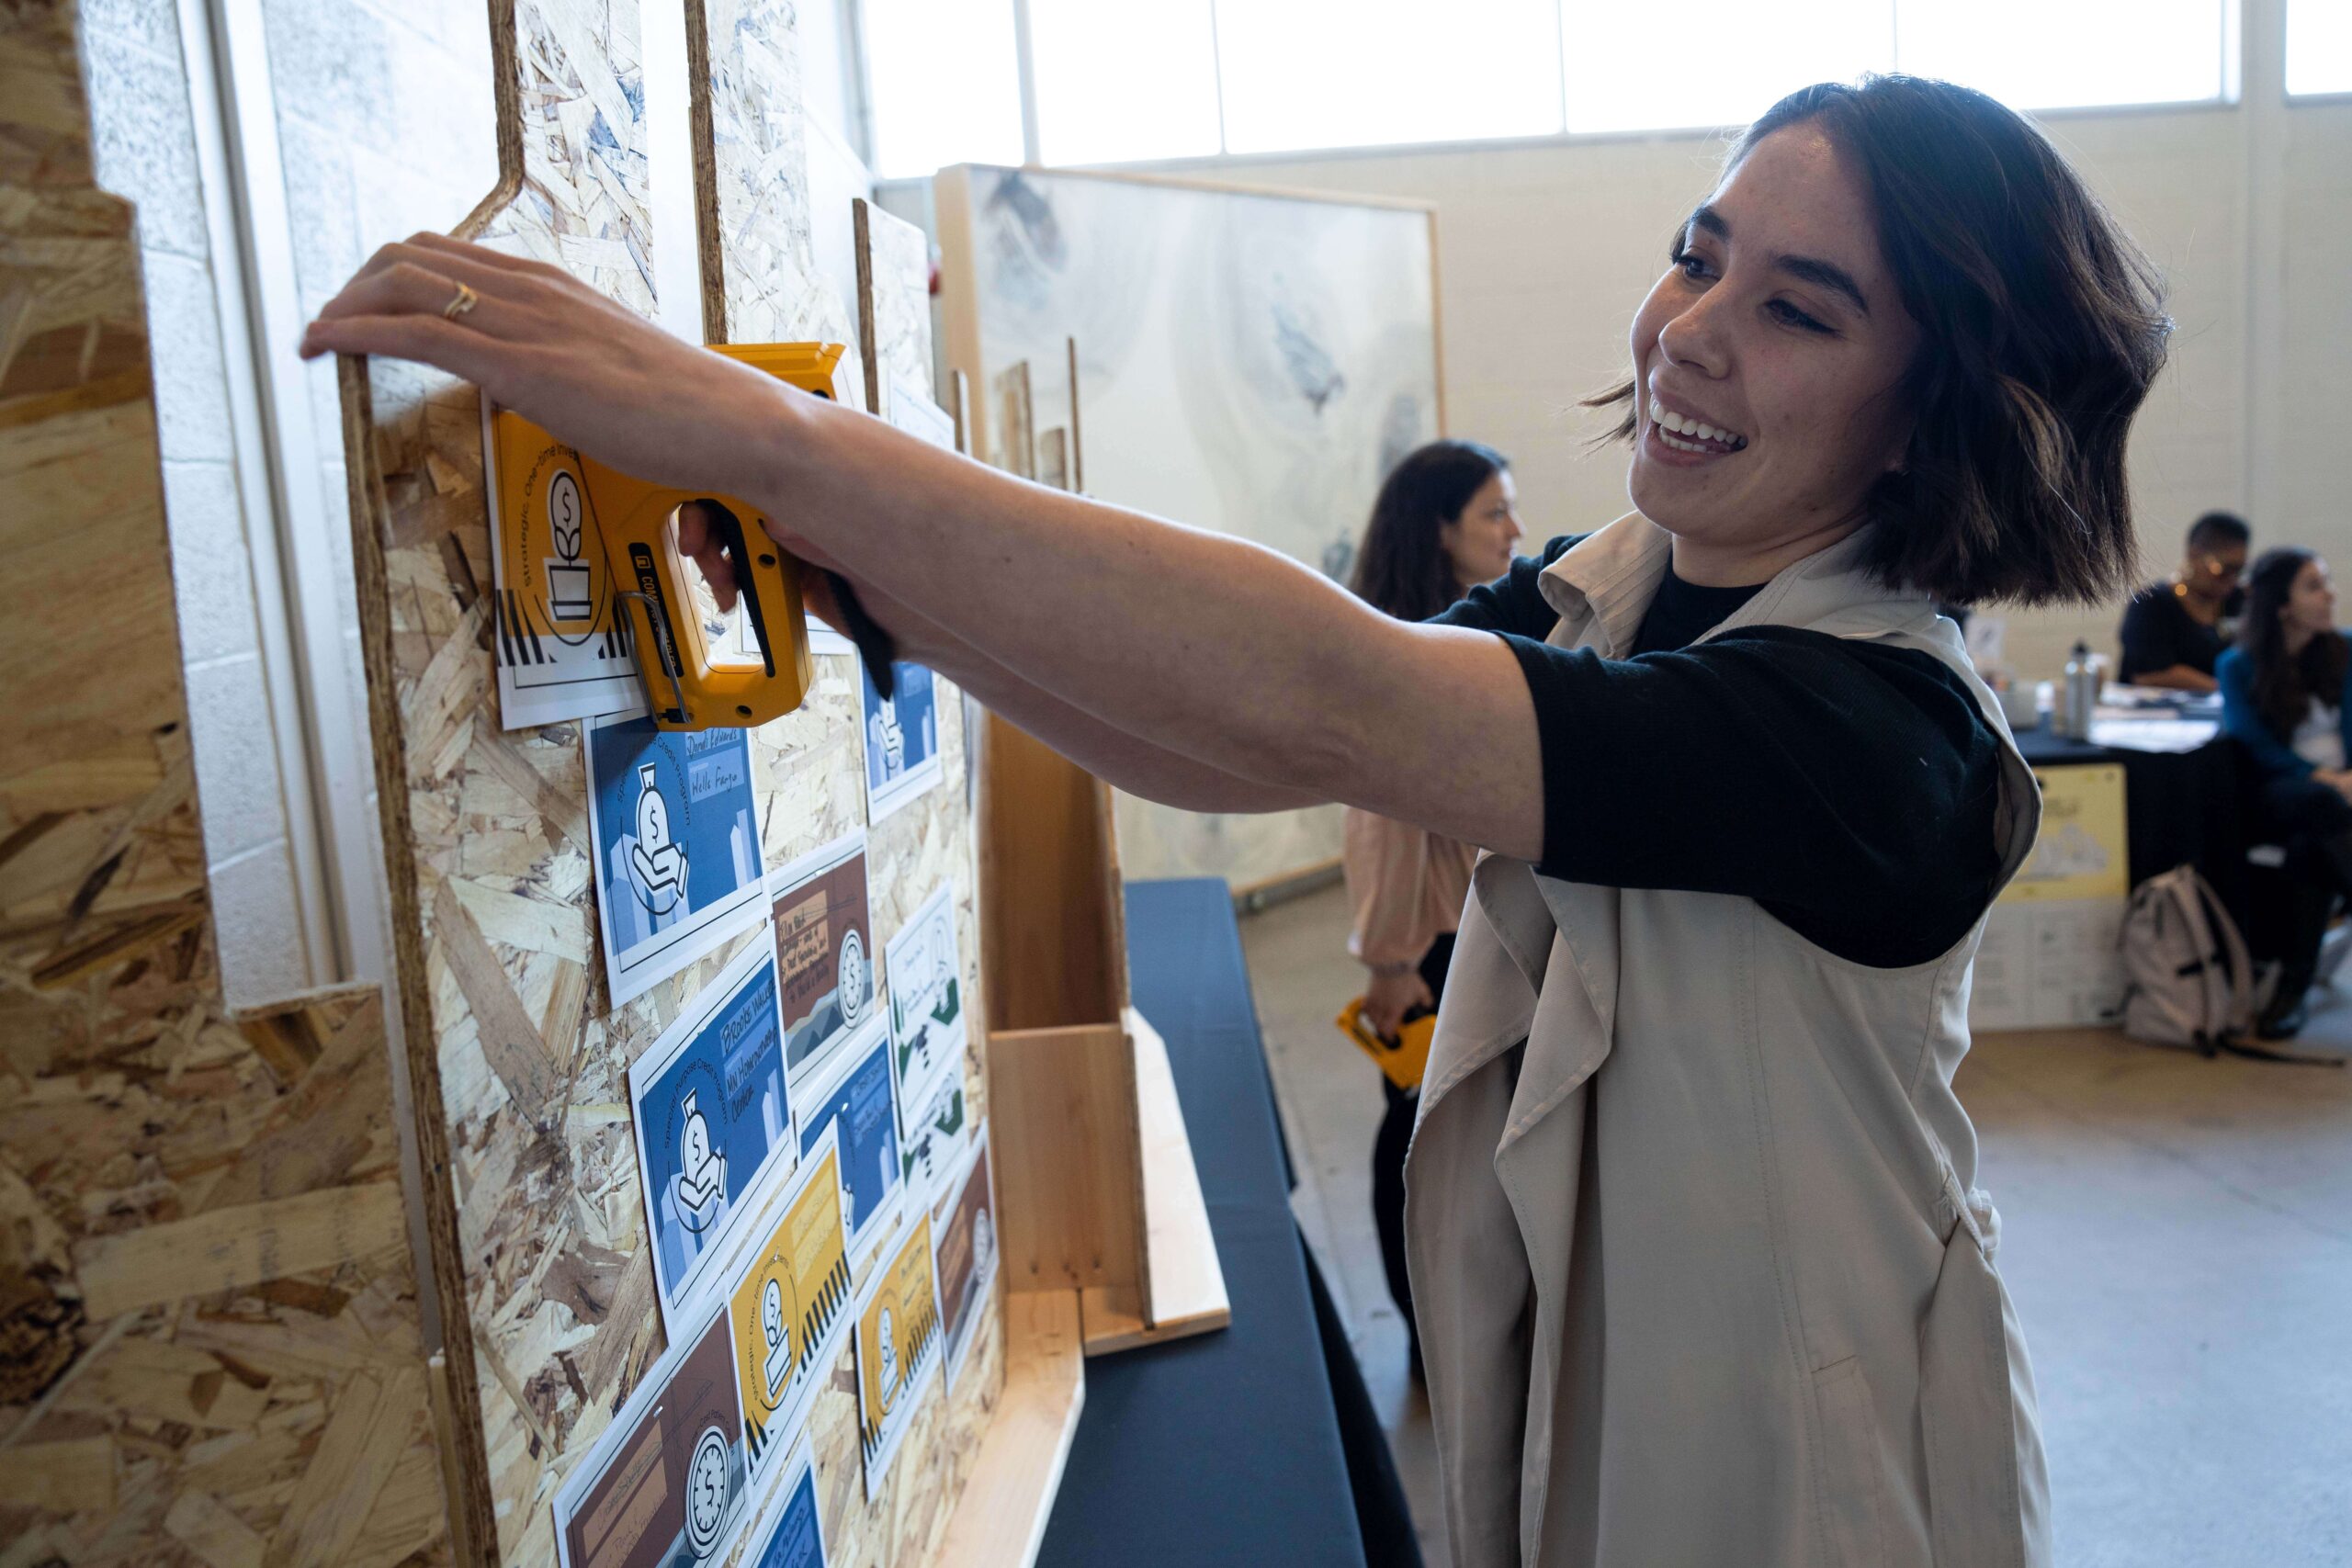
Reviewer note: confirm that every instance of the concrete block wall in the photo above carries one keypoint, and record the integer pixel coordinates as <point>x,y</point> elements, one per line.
<point>146,152</point>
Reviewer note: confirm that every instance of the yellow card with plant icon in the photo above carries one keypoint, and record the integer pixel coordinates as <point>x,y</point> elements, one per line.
<point>897,1349</point>
<point>787,1301</point>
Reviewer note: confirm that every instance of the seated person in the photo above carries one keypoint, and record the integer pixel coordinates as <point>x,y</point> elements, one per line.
<point>2287,697</point>
<point>2173,631</point>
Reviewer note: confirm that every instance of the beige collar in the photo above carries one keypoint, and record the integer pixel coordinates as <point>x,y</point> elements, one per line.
<point>1609,577</point>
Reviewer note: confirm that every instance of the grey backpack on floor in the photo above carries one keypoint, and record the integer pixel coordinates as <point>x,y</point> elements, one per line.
<point>2188,980</point>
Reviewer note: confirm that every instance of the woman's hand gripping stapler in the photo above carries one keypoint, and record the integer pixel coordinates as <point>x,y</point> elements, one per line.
<point>692,680</point>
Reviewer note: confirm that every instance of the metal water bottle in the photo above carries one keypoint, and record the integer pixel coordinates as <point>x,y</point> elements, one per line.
<point>2079,695</point>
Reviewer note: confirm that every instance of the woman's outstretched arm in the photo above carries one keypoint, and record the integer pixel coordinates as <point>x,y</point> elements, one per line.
<point>1205,647</point>
<point>1111,754</point>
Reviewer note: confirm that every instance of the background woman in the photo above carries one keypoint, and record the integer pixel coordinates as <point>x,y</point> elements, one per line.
<point>1700,1266</point>
<point>2285,697</point>
<point>1445,520</point>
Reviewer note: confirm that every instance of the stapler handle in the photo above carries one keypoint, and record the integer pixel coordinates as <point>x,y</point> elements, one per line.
<point>877,648</point>
<point>685,687</point>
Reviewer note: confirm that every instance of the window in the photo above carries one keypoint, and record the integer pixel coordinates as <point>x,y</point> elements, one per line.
<point>1145,79</point>
<point>945,82</point>
<point>2041,54</point>
<point>1620,77</point>
<point>1302,74</point>
<point>2319,47</point>
<point>1118,82</point>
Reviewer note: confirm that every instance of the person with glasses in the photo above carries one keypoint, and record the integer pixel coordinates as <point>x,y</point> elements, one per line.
<point>2174,631</point>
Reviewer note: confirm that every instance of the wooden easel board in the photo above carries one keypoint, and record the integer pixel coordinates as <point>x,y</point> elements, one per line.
<point>520,1062</point>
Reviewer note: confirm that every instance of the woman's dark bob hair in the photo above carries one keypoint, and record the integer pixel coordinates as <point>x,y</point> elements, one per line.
<point>1402,567</point>
<point>2042,327</point>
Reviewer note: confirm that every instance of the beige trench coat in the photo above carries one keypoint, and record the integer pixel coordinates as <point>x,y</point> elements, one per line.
<point>1701,1272</point>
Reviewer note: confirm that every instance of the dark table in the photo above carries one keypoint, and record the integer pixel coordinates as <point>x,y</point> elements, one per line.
<point>1226,1447</point>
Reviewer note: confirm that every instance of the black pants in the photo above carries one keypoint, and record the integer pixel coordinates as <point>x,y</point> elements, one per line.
<point>1388,1148</point>
<point>2312,823</point>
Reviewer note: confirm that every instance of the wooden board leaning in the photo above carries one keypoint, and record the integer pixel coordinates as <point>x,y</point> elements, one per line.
<point>210,1340</point>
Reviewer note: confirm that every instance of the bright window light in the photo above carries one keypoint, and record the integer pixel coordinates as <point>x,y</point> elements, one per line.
<point>945,79</point>
<point>1122,82</point>
<point>2319,45</point>
<point>1307,74</point>
<point>2047,55</point>
<point>1710,62</point>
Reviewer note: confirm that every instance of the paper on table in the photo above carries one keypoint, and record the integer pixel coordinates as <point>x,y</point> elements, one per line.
<point>2161,735</point>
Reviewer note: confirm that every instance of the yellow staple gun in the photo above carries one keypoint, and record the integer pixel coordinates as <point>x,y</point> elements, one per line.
<point>692,680</point>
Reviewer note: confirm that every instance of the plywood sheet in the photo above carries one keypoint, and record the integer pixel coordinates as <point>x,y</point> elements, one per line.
<point>521,1062</point>
<point>760,282</point>
<point>209,1342</point>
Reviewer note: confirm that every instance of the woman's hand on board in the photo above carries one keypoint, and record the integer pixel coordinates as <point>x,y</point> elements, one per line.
<point>593,373</point>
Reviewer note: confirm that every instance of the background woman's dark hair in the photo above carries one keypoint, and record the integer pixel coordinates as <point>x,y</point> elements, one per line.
<point>2284,687</point>
<point>1402,569</point>
<point>2042,327</point>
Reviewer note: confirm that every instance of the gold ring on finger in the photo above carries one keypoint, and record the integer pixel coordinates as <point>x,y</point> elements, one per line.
<point>459,303</point>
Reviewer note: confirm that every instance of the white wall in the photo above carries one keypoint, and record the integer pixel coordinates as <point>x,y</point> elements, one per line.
<point>1546,248</point>
<point>251,799</point>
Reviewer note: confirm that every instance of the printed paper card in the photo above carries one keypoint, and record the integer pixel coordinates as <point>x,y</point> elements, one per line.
<point>898,1351</point>
<point>711,1120</point>
<point>787,1298</point>
<point>562,648</point>
<point>677,846</point>
<point>824,951</point>
<point>855,1096</point>
<point>664,1485</point>
<point>923,968</point>
<point>931,1144</point>
<point>901,737</point>
<point>964,1223</point>
<point>790,1535</point>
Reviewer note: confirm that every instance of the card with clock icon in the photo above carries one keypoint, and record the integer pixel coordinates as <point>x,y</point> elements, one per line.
<point>825,956</point>
<point>664,1485</point>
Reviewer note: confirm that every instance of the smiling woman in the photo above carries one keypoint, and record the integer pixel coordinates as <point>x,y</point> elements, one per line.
<point>1945,306</point>
<point>1701,1269</point>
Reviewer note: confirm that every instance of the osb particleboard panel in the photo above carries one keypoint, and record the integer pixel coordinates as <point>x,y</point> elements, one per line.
<point>758,279</point>
<point>209,1325</point>
<point>520,1079</point>
<point>894,302</point>
<point>521,1064</point>
<point>751,156</point>
<point>572,156</point>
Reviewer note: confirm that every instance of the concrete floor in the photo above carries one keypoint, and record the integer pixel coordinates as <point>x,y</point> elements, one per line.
<point>2177,1234</point>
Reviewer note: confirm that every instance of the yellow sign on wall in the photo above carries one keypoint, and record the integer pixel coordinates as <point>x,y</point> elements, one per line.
<point>786,1303</point>
<point>2081,852</point>
<point>897,1349</point>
